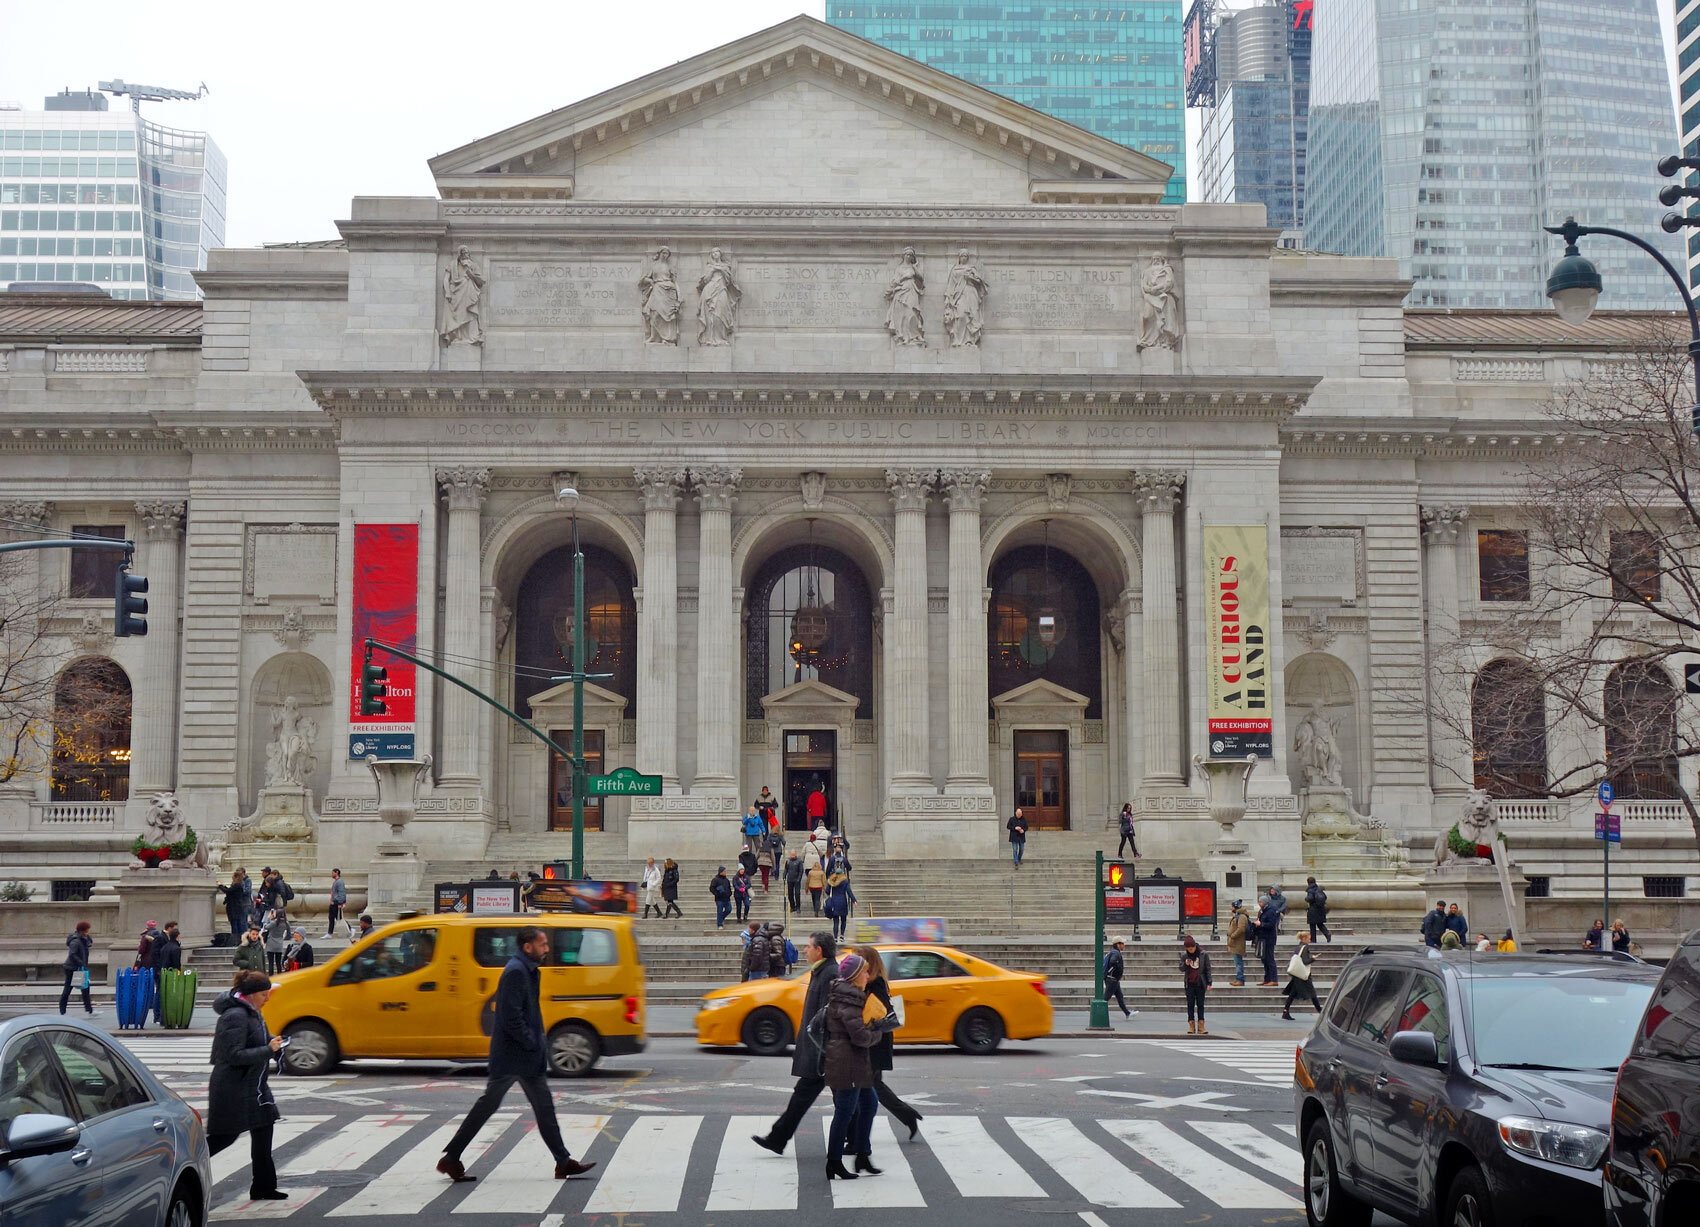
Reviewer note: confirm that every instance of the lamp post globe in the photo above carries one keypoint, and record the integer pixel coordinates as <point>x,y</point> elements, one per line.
<point>1574,286</point>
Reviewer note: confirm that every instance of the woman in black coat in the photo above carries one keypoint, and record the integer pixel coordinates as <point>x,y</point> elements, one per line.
<point>670,889</point>
<point>238,901</point>
<point>882,1051</point>
<point>239,1097</point>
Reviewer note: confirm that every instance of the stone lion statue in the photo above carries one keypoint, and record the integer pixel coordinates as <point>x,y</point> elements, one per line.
<point>164,821</point>
<point>1478,826</point>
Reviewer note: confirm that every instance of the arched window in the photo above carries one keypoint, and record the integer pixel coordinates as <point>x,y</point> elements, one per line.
<point>91,732</point>
<point>1043,623</point>
<point>1640,715</point>
<point>809,615</point>
<point>543,624</point>
<point>1508,727</point>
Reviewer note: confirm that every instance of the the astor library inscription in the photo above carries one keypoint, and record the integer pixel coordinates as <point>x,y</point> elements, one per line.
<point>528,294</point>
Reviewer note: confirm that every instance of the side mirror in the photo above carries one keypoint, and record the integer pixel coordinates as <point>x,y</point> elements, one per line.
<point>1415,1048</point>
<point>40,1133</point>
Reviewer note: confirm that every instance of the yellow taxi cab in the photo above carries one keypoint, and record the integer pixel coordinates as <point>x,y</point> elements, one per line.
<point>425,987</point>
<point>949,997</point>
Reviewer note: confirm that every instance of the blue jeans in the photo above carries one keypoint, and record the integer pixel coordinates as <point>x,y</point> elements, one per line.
<point>852,1121</point>
<point>722,908</point>
<point>1239,967</point>
<point>1016,848</point>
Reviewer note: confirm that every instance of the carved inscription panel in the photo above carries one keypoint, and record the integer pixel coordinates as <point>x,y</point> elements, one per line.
<point>813,295</point>
<point>1321,563</point>
<point>569,294</point>
<point>1098,299</point>
<point>827,433</point>
<point>292,560</point>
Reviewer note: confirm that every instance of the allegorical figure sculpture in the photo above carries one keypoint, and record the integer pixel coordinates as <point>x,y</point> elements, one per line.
<point>1159,306</point>
<point>903,302</point>
<point>1316,743</point>
<point>659,295</point>
<point>717,301</point>
<point>289,757</point>
<point>463,300</point>
<point>964,300</point>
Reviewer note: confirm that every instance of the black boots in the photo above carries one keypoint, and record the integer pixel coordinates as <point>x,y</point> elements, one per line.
<point>865,1163</point>
<point>835,1169</point>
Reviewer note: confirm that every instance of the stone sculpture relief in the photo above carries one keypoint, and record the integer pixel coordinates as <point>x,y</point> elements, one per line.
<point>289,758</point>
<point>658,293</point>
<point>903,299</point>
<point>1159,307</point>
<point>813,489</point>
<point>718,293</point>
<point>1316,743</point>
<point>964,302</point>
<point>463,301</point>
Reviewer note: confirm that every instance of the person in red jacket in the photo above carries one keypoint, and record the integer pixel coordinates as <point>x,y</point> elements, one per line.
<point>816,806</point>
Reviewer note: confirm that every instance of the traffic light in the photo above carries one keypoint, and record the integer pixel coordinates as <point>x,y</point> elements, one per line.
<point>374,685</point>
<point>1116,874</point>
<point>129,607</point>
<point>557,871</point>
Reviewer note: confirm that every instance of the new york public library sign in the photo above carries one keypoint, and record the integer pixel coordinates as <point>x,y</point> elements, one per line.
<point>834,432</point>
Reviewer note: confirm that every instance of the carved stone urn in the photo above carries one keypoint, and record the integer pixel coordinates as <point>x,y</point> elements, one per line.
<point>398,789</point>
<point>1226,781</point>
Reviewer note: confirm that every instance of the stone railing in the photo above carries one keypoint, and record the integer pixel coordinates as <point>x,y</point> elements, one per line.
<point>1652,811</point>
<point>75,813</point>
<point>124,360</point>
<point>1538,809</point>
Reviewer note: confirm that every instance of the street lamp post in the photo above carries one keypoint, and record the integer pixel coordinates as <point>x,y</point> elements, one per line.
<point>567,497</point>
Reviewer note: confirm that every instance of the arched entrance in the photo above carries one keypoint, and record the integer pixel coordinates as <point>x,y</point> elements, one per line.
<point>91,732</point>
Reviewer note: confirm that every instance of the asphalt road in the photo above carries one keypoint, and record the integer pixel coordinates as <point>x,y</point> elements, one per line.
<point>1103,1132</point>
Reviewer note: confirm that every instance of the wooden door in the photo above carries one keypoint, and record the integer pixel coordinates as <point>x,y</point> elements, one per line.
<point>561,781</point>
<point>1041,778</point>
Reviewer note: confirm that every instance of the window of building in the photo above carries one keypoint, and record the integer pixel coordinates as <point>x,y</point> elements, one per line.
<point>94,573</point>
<point>1634,563</point>
<point>1508,730</point>
<point>544,624</point>
<point>1502,559</point>
<point>1043,623</point>
<point>72,890</point>
<point>808,616</point>
<point>91,732</point>
<point>1665,887</point>
<point>1539,887</point>
<point>1640,719</point>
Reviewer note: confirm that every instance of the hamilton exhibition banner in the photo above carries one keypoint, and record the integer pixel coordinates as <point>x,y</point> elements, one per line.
<point>386,608</point>
<point>1236,601</point>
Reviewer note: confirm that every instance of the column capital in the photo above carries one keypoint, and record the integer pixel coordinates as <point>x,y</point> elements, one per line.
<point>464,486</point>
<point>25,511</point>
<point>909,488</point>
<point>716,486</point>
<point>661,487</point>
<point>1441,525</point>
<point>1157,490</point>
<point>162,519</point>
<point>965,488</point>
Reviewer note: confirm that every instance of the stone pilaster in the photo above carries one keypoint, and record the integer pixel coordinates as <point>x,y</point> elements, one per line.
<point>464,489</point>
<point>658,625</point>
<point>1129,611</point>
<point>1158,492</point>
<point>968,699</point>
<point>153,740</point>
<point>906,642</point>
<point>1453,769</point>
<point>718,723</point>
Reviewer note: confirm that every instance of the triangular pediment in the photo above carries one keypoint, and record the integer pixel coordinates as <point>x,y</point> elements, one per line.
<point>811,694</point>
<point>561,696</point>
<point>1040,693</point>
<point>802,112</point>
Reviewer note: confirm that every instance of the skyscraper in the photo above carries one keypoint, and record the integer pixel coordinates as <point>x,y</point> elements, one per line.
<point>1688,115</point>
<point>90,194</point>
<point>1250,72</point>
<point>1447,132</point>
<point>1113,69</point>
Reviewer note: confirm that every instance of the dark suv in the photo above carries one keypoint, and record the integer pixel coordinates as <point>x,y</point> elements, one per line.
<point>1653,1167</point>
<point>1462,1088</point>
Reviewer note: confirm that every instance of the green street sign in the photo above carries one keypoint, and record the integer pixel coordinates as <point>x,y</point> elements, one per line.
<point>622,782</point>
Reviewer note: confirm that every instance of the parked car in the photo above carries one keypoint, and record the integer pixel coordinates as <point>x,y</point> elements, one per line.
<point>1652,1176</point>
<point>1462,1088</point>
<point>425,987</point>
<point>949,997</point>
<point>89,1136</point>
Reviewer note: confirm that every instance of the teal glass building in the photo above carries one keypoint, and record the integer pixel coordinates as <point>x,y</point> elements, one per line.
<point>1113,69</point>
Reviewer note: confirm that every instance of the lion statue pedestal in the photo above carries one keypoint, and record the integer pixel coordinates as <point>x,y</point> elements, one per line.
<point>1472,882</point>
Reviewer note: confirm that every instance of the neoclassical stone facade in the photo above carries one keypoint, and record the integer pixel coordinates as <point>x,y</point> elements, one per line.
<point>896,413</point>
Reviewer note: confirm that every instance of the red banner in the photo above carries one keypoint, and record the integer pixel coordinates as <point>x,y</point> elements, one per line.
<point>386,608</point>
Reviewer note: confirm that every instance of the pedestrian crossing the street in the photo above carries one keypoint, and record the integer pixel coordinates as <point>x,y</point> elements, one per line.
<point>367,1165</point>
<point>1267,1061</point>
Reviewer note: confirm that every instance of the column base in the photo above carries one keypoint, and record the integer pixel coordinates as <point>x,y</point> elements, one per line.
<point>1231,866</point>
<point>395,875</point>
<point>935,827</point>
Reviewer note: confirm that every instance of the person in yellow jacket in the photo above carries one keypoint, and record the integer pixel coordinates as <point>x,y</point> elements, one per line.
<point>1507,945</point>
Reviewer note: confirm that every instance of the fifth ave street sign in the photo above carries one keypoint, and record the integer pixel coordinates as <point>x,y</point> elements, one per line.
<point>622,782</point>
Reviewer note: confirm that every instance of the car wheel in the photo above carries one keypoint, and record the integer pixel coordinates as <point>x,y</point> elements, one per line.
<point>1468,1202</point>
<point>182,1211</point>
<point>312,1049</point>
<point>767,1032</point>
<point>1326,1203</point>
<point>574,1050</point>
<point>979,1031</point>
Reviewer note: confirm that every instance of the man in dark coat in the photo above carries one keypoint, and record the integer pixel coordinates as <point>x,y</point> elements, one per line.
<point>1114,967</point>
<point>517,1054</point>
<point>298,955</point>
<point>1434,924</point>
<point>170,953</point>
<point>793,875</point>
<point>1456,922</point>
<point>807,1058</point>
<point>1269,923</point>
<point>1316,910</point>
<point>721,888</point>
<point>755,953</point>
<point>1017,827</point>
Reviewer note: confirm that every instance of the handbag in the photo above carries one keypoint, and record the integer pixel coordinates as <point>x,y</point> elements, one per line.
<point>85,979</point>
<point>873,1009</point>
<point>1298,968</point>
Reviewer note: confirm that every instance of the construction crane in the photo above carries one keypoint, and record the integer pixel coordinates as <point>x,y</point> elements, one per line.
<point>139,94</point>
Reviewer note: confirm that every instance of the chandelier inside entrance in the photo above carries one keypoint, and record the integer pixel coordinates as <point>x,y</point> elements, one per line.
<point>1047,627</point>
<point>811,625</point>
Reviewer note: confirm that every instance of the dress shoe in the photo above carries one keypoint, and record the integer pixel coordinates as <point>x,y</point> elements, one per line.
<point>1237,983</point>
<point>455,1170</point>
<point>835,1170</point>
<point>572,1167</point>
<point>767,1143</point>
<point>865,1165</point>
<point>274,1195</point>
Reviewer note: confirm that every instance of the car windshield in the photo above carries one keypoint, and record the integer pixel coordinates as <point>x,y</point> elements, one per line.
<point>1554,1021</point>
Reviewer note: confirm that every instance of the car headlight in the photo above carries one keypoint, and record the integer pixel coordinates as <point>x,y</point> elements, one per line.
<point>1554,1141</point>
<point>717,1003</point>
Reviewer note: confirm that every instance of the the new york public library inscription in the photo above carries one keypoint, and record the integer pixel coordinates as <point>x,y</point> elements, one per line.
<point>830,432</point>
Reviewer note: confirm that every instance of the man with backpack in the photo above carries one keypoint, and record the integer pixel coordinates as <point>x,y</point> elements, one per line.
<point>721,888</point>
<point>1113,968</point>
<point>1316,910</point>
<point>808,1054</point>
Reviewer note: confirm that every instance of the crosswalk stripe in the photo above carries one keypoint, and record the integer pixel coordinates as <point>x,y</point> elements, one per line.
<point>350,1147</point>
<point>1098,1177</point>
<point>977,1165</point>
<point>411,1183</point>
<point>525,1179</point>
<point>226,1163</point>
<point>1254,1146</point>
<point>244,1210</point>
<point>895,1186</point>
<point>647,1172</point>
<point>1290,1130</point>
<point>746,1177</point>
<point>1222,1183</point>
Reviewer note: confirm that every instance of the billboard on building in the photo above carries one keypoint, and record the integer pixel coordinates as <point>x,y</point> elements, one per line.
<point>386,607</point>
<point>1198,55</point>
<point>1237,635</point>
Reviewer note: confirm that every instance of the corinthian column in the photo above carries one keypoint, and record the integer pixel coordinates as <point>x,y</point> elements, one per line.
<point>968,699</point>
<point>153,743</point>
<point>717,633</point>
<point>1452,770</point>
<point>658,626</point>
<point>906,640</point>
<point>463,489</point>
<point>1157,493</point>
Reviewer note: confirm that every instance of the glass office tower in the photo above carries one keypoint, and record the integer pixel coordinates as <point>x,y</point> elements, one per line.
<point>1113,69</point>
<point>92,195</point>
<point>1447,132</point>
<point>1688,114</point>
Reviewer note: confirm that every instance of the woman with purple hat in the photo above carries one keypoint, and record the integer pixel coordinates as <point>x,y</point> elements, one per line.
<point>850,1040</point>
